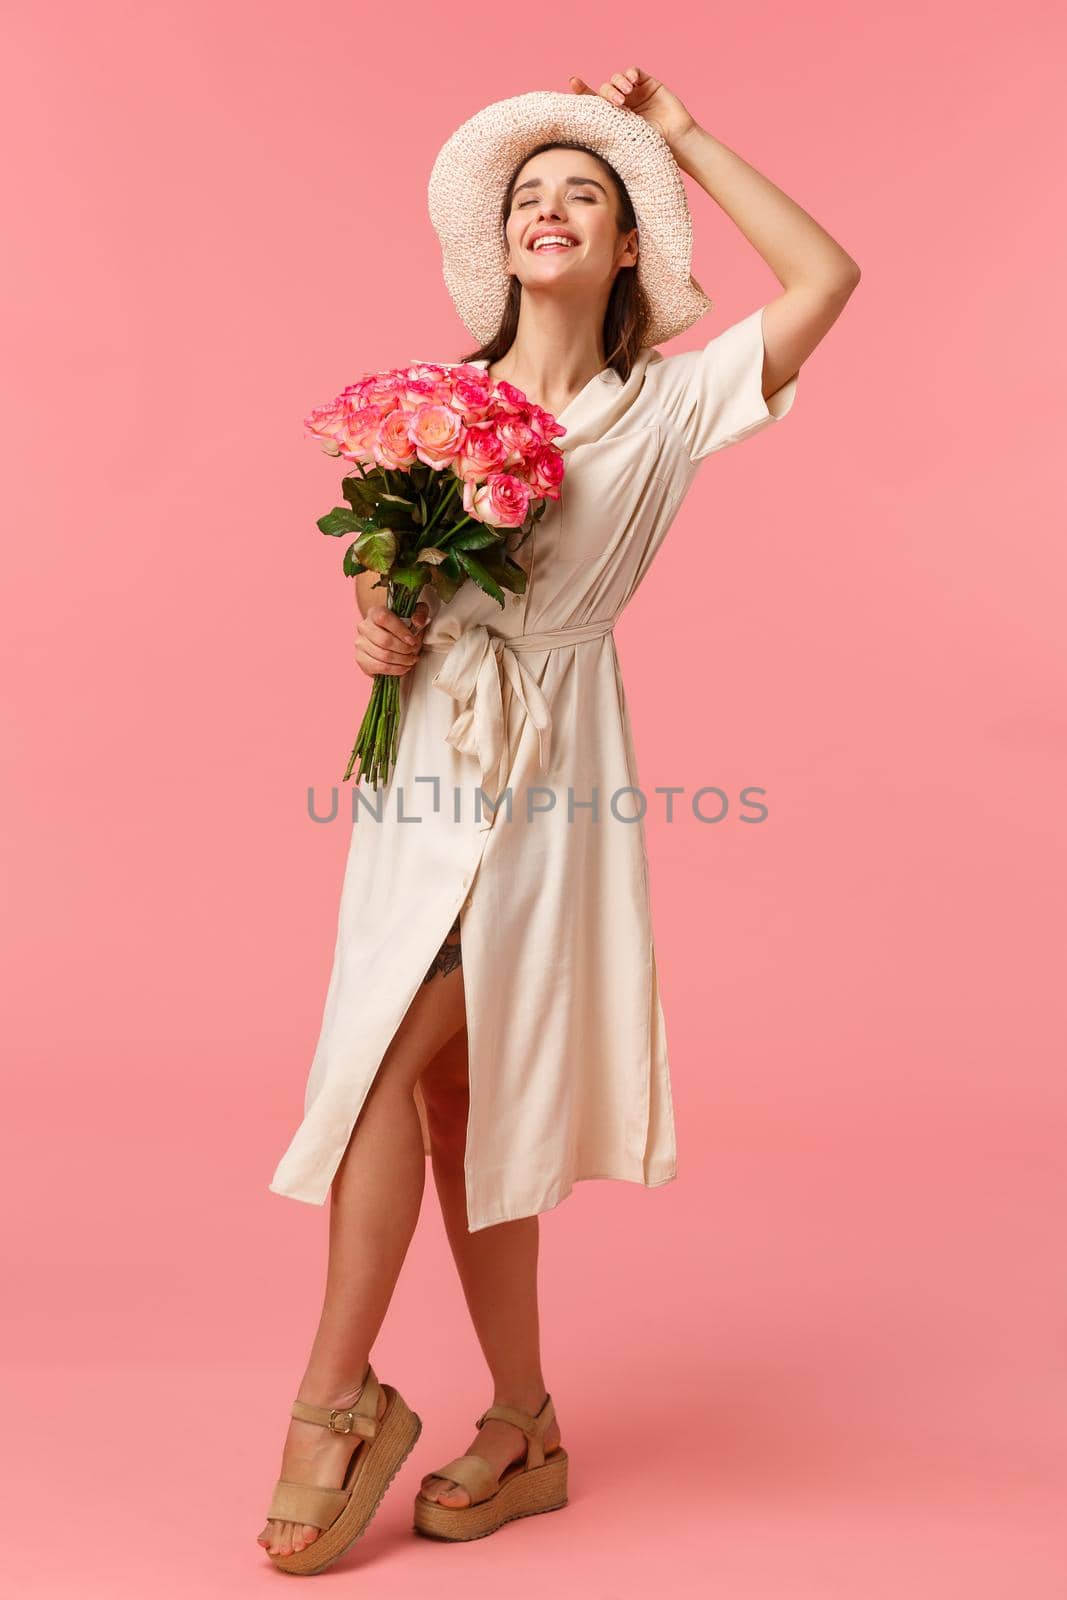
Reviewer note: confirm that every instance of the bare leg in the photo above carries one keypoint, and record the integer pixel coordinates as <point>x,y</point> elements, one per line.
<point>374,1205</point>
<point>498,1270</point>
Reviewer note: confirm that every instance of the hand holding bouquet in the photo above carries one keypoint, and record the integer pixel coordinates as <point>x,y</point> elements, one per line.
<point>450,475</point>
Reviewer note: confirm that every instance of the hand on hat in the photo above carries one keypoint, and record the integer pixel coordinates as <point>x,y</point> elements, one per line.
<point>648,97</point>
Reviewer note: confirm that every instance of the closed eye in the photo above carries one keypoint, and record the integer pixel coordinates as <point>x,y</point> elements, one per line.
<point>591,198</point>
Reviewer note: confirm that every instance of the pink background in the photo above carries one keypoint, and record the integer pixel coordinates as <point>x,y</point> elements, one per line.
<point>828,1360</point>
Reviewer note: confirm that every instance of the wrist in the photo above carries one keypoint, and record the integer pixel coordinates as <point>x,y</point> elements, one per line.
<point>684,140</point>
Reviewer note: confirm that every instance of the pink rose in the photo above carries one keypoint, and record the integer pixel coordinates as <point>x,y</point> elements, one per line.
<point>544,424</point>
<point>482,452</point>
<point>419,392</point>
<point>421,375</point>
<point>329,421</point>
<point>381,389</point>
<point>518,437</point>
<point>471,393</point>
<point>503,501</point>
<point>392,444</point>
<point>546,469</point>
<point>424,384</point>
<point>356,437</point>
<point>436,432</point>
<point>510,401</point>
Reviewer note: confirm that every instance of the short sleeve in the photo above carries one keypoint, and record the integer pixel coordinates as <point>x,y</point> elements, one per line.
<point>714,396</point>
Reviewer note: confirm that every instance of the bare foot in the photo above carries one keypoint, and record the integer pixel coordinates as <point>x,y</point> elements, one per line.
<point>313,1454</point>
<point>500,1443</point>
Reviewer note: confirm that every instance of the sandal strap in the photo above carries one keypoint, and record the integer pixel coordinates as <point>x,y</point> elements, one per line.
<point>473,1473</point>
<point>362,1418</point>
<point>534,1428</point>
<point>307,1502</point>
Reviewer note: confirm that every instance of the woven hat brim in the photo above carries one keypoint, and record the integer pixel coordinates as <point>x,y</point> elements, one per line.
<point>471,172</point>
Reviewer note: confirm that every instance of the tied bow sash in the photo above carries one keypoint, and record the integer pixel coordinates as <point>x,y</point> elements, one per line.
<point>473,672</point>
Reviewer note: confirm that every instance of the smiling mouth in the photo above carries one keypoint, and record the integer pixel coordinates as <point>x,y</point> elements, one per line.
<point>542,249</point>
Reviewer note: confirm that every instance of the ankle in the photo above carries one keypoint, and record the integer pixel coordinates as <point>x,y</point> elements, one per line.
<point>529,1398</point>
<point>332,1389</point>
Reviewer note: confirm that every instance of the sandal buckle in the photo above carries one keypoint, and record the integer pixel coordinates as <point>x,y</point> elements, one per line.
<point>350,1421</point>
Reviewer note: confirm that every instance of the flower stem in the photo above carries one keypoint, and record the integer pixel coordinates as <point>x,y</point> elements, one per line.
<point>379,733</point>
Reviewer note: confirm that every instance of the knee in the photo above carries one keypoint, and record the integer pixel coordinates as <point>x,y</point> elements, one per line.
<point>447,1103</point>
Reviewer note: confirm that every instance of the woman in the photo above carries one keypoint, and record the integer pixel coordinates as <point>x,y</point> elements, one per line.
<point>528,1054</point>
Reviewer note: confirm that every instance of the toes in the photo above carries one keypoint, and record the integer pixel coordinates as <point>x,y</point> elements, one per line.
<point>282,1538</point>
<point>452,1494</point>
<point>445,1492</point>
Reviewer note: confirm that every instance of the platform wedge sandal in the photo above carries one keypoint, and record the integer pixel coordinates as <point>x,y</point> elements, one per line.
<point>343,1514</point>
<point>537,1483</point>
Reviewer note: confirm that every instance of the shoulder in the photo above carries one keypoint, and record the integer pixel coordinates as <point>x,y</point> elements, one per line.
<point>712,396</point>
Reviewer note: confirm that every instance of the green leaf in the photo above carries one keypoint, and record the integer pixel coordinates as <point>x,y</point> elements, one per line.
<point>445,586</point>
<point>474,569</point>
<point>351,563</point>
<point>514,577</point>
<point>376,549</point>
<point>475,538</point>
<point>506,572</point>
<point>338,521</point>
<point>362,493</point>
<point>409,577</point>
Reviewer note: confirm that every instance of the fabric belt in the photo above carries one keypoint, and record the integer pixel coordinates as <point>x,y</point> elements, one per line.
<point>473,672</point>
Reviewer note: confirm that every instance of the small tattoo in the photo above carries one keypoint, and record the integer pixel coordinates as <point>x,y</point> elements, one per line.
<point>450,955</point>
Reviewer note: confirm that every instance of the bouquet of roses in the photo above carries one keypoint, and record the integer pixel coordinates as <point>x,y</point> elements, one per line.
<point>450,474</point>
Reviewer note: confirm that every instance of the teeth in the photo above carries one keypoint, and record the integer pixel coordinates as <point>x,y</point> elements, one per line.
<point>551,238</point>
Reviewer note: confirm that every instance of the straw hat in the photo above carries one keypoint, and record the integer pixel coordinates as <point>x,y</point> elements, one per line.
<point>471,172</point>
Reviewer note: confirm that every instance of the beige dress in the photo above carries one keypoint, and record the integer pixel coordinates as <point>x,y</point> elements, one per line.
<point>567,1051</point>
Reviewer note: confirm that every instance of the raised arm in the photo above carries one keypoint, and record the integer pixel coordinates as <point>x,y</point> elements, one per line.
<point>816,274</point>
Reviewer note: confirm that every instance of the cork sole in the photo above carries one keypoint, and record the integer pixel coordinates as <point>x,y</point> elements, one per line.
<point>523,1493</point>
<point>375,1464</point>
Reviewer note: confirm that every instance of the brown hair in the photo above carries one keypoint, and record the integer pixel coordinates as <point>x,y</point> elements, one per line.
<point>628,314</point>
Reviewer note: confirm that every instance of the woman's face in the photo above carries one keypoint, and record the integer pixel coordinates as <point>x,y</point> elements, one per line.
<point>566,192</point>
